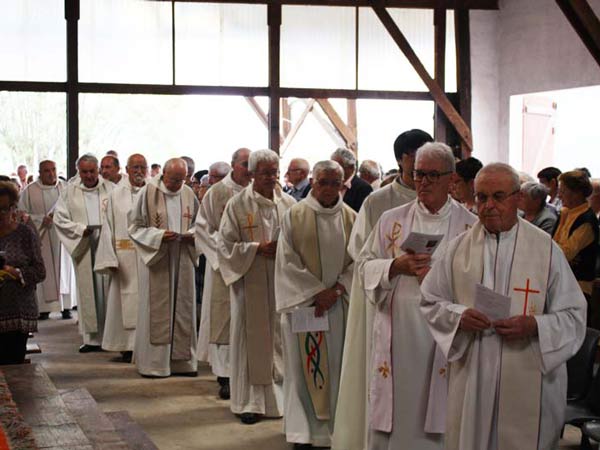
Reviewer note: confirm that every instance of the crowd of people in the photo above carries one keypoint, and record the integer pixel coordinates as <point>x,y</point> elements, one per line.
<point>433,307</point>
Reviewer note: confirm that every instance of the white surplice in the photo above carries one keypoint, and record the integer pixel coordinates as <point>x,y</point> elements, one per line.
<point>236,256</point>
<point>351,416</point>
<point>48,291</point>
<point>207,236</point>
<point>122,270</point>
<point>412,345</point>
<point>561,331</point>
<point>150,359</point>
<point>87,204</point>
<point>295,286</point>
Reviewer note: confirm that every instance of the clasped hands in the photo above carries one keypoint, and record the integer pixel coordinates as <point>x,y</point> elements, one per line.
<point>325,299</point>
<point>170,236</point>
<point>516,327</point>
<point>267,249</point>
<point>414,264</point>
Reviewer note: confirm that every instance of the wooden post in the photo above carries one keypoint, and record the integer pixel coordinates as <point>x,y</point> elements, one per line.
<point>72,18</point>
<point>353,122</point>
<point>345,131</point>
<point>585,22</point>
<point>286,117</point>
<point>274,22</point>
<point>439,23</point>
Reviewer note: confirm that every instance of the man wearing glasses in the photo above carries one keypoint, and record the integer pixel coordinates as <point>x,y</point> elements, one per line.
<point>297,175</point>
<point>507,366</point>
<point>407,368</point>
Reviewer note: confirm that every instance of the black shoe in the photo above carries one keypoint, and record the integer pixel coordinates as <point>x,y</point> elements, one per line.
<point>224,393</point>
<point>85,348</point>
<point>44,316</point>
<point>186,374</point>
<point>248,418</point>
<point>74,308</point>
<point>66,314</point>
<point>127,356</point>
<point>302,446</point>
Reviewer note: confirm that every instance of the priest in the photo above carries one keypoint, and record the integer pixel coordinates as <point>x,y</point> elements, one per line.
<point>407,390</point>
<point>508,376</point>
<point>78,220</point>
<point>117,258</point>
<point>213,339</point>
<point>161,228</point>
<point>249,231</point>
<point>351,417</point>
<point>38,200</point>
<point>313,269</point>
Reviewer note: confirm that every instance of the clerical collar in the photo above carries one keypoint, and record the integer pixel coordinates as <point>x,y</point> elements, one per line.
<point>87,189</point>
<point>440,214</point>
<point>47,186</point>
<point>314,204</point>
<point>503,234</point>
<point>162,188</point>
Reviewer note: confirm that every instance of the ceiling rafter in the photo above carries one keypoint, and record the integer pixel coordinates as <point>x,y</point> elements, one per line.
<point>419,4</point>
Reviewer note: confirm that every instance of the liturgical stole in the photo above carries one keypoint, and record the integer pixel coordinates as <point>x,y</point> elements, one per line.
<point>313,345</point>
<point>520,375</point>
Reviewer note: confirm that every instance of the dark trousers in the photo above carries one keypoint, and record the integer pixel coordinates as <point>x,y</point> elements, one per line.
<point>13,345</point>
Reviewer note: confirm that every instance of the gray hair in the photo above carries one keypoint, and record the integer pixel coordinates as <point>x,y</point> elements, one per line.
<point>259,156</point>
<point>370,167</point>
<point>524,177</point>
<point>327,166</point>
<point>87,157</point>
<point>191,165</point>
<point>236,154</point>
<point>536,191</point>
<point>221,167</point>
<point>346,156</point>
<point>437,150</point>
<point>499,167</point>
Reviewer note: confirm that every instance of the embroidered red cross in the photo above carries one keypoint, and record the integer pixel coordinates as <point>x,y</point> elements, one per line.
<point>527,291</point>
<point>187,214</point>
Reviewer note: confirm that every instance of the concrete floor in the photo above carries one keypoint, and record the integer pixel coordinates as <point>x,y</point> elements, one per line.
<point>177,412</point>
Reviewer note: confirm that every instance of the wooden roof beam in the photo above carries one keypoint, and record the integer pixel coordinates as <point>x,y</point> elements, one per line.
<point>419,4</point>
<point>586,23</point>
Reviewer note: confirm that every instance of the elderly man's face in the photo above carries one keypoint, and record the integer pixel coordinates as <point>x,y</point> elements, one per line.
<point>109,170</point>
<point>528,204</point>
<point>214,177</point>
<point>348,170</point>
<point>48,173</point>
<point>22,173</point>
<point>137,169</point>
<point>240,172</point>
<point>432,182</point>
<point>266,176</point>
<point>174,177</point>
<point>497,201</point>
<point>88,172</point>
<point>326,187</point>
<point>295,173</point>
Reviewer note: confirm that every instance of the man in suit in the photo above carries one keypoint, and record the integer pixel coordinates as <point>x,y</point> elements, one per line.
<point>355,190</point>
<point>297,175</point>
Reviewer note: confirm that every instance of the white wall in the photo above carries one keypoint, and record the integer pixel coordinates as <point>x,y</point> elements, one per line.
<point>527,46</point>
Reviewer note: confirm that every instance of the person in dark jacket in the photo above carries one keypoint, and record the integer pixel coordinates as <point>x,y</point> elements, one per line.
<point>355,190</point>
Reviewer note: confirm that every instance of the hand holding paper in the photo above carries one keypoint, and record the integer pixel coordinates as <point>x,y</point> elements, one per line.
<point>421,243</point>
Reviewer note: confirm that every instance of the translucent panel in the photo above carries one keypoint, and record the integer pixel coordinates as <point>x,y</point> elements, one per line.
<point>381,64</point>
<point>32,128</point>
<point>207,128</point>
<point>318,47</point>
<point>381,121</point>
<point>33,40</point>
<point>450,52</point>
<point>125,41</point>
<point>221,44</point>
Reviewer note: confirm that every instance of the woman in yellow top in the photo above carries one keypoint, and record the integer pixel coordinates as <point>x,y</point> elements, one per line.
<point>577,231</point>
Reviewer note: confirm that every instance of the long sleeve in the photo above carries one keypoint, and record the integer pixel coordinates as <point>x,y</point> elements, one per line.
<point>106,257</point>
<point>69,232</point>
<point>148,240</point>
<point>580,239</point>
<point>374,269</point>
<point>34,272</point>
<point>207,230</point>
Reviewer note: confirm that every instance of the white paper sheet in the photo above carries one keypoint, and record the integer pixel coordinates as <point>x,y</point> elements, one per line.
<point>495,306</point>
<point>421,242</point>
<point>304,320</point>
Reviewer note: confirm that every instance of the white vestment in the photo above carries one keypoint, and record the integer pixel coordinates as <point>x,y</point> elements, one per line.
<point>561,330</point>
<point>116,257</point>
<point>207,236</point>
<point>237,253</point>
<point>151,359</point>
<point>412,346</point>
<point>78,208</point>
<point>295,286</point>
<point>351,416</point>
<point>38,201</point>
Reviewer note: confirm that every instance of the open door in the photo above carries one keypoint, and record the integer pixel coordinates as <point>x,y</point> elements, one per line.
<point>538,133</point>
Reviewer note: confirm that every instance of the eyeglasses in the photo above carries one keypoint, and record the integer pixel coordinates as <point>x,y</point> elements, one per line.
<point>331,183</point>
<point>267,173</point>
<point>497,197</point>
<point>432,176</point>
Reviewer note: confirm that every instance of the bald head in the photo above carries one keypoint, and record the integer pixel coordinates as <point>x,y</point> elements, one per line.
<point>137,169</point>
<point>174,174</point>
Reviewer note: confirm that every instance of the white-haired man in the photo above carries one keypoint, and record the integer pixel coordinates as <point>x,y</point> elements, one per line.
<point>213,337</point>
<point>407,369</point>
<point>297,175</point>
<point>354,190</point>
<point>313,268</point>
<point>78,220</point>
<point>117,258</point>
<point>508,377</point>
<point>370,171</point>
<point>249,231</point>
<point>161,227</point>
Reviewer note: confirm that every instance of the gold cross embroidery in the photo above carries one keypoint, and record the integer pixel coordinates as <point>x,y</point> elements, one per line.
<point>157,220</point>
<point>393,238</point>
<point>384,370</point>
<point>250,227</point>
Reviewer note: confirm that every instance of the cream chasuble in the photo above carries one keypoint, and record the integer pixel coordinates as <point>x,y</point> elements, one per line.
<point>351,416</point>
<point>405,364</point>
<point>213,336</point>
<point>255,339</point>
<point>506,394</point>
<point>166,338</point>
<point>38,201</point>
<point>117,258</point>
<point>311,256</point>
<point>78,208</point>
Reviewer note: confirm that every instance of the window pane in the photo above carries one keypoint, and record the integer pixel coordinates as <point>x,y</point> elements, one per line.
<point>125,41</point>
<point>381,64</point>
<point>318,47</point>
<point>206,128</point>
<point>32,128</point>
<point>33,40</point>
<point>450,53</point>
<point>221,44</point>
